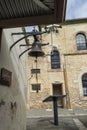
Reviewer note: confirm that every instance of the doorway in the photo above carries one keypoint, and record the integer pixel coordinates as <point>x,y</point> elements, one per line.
<point>57,89</point>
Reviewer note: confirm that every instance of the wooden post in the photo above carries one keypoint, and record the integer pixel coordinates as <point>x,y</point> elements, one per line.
<point>60,5</point>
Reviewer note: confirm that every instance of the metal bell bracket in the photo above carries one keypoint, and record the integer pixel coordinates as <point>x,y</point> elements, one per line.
<point>27,34</point>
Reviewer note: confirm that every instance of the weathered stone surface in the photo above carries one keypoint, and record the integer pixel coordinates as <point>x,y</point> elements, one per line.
<point>13,112</point>
<point>75,66</point>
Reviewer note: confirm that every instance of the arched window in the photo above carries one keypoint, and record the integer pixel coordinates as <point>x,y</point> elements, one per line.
<point>81,41</point>
<point>55,59</point>
<point>84,84</point>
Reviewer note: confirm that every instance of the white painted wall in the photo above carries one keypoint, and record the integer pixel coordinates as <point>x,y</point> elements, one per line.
<point>13,119</point>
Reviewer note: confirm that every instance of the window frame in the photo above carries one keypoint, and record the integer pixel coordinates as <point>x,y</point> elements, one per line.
<point>55,59</point>
<point>33,85</point>
<point>81,42</point>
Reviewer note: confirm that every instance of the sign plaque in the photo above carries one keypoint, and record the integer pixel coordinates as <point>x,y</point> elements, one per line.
<point>6,77</point>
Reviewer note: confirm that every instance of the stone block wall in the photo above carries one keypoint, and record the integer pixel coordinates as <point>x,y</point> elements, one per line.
<point>72,61</point>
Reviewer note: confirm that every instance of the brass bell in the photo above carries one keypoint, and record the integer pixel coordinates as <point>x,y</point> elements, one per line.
<point>36,50</point>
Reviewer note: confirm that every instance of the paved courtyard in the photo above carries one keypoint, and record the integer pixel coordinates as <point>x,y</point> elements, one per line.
<point>47,124</point>
<point>68,120</point>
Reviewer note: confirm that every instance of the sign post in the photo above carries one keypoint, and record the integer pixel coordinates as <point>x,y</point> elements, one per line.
<point>54,98</point>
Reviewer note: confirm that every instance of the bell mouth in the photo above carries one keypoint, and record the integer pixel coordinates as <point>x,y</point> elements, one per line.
<point>36,54</point>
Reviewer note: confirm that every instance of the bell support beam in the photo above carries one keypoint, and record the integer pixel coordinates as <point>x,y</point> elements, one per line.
<point>32,33</point>
<point>44,44</point>
<point>28,34</point>
<point>25,45</point>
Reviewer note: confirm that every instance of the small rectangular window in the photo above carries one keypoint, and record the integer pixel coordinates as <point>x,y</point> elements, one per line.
<point>34,71</point>
<point>36,87</point>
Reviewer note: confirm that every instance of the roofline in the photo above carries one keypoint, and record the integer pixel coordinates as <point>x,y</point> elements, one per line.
<point>75,21</point>
<point>57,17</point>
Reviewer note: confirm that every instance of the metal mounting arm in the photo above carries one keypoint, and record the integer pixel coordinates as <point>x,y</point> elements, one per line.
<point>32,33</point>
<point>44,44</point>
<point>24,52</point>
<point>25,45</point>
<point>18,41</point>
<point>28,34</point>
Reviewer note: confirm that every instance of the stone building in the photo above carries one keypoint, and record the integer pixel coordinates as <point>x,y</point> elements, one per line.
<point>63,69</point>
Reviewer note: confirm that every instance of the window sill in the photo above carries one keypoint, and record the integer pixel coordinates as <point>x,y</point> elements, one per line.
<point>83,98</point>
<point>81,51</point>
<point>55,70</point>
<point>77,52</point>
<point>35,91</point>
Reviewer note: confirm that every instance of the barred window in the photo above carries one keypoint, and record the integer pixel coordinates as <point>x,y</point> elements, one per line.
<point>81,41</point>
<point>84,84</point>
<point>55,59</point>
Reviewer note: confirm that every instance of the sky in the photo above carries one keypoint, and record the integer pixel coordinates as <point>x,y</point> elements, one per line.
<point>76,9</point>
<point>30,28</point>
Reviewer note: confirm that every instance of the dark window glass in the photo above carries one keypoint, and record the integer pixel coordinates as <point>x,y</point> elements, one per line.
<point>55,59</point>
<point>81,42</point>
<point>36,87</point>
<point>84,84</point>
<point>34,71</point>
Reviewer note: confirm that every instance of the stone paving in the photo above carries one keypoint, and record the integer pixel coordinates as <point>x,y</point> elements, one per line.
<point>83,119</point>
<point>42,119</point>
<point>47,124</point>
